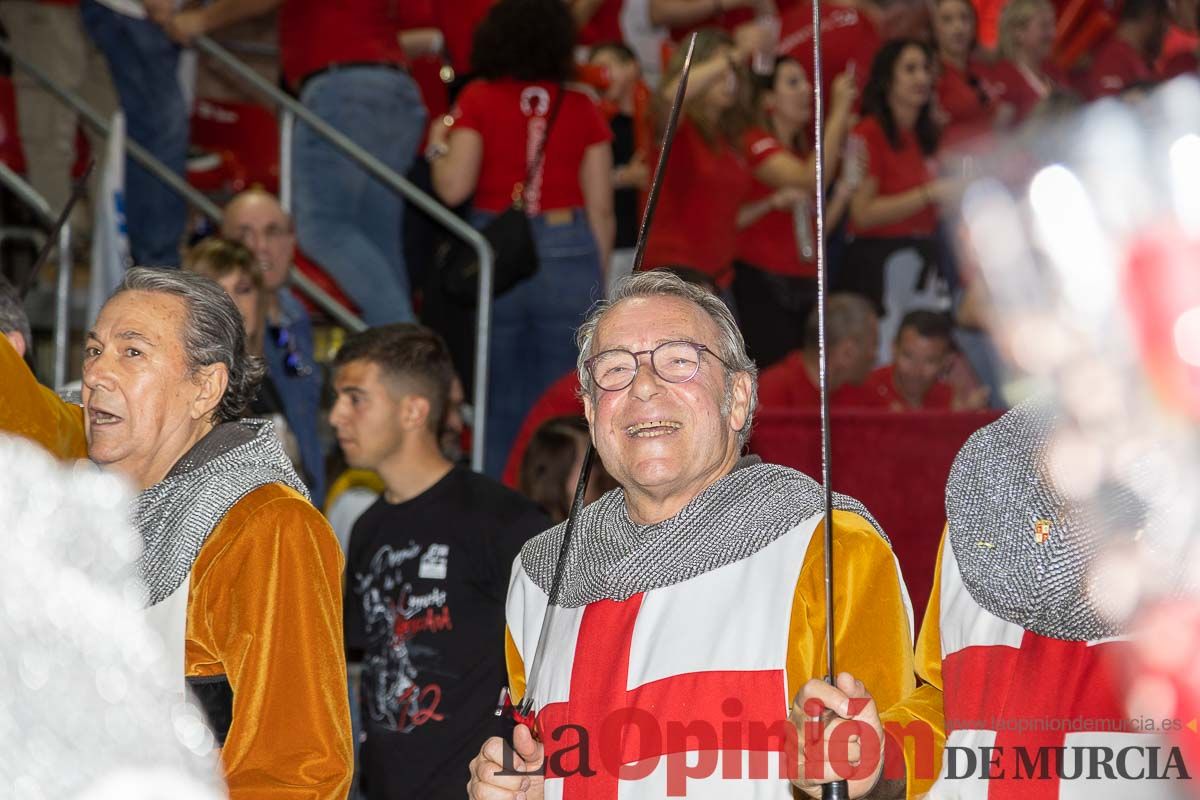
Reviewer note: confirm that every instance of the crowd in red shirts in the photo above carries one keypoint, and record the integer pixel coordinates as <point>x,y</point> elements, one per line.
<point>916,96</point>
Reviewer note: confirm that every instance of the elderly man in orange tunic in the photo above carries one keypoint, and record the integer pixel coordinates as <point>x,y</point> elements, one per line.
<point>242,574</point>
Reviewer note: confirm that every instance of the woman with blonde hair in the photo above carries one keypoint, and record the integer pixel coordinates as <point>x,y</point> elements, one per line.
<point>708,176</point>
<point>237,271</point>
<point>234,267</point>
<point>965,105</point>
<point>1023,76</point>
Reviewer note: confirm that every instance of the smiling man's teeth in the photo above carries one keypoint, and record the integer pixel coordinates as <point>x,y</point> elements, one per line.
<point>647,430</point>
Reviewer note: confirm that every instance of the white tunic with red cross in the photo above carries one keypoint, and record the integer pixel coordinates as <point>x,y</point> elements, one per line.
<point>1037,718</point>
<point>675,676</point>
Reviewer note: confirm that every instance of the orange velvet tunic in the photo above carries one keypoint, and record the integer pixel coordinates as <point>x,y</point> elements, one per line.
<point>265,611</point>
<point>31,410</point>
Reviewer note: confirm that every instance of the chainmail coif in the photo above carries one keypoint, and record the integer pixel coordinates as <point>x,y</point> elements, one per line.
<point>998,493</point>
<point>176,515</point>
<point>612,557</point>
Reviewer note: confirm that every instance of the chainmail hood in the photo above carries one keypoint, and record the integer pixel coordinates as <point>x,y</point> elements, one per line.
<point>176,515</point>
<point>1025,550</point>
<point>612,557</point>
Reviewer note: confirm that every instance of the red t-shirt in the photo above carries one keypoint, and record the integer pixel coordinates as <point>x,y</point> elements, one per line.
<point>1116,65</point>
<point>896,171</point>
<point>1006,83</point>
<point>604,26</point>
<point>939,397</point>
<point>457,20</point>
<point>726,20</point>
<point>560,400</point>
<point>512,116</point>
<point>847,35</point>
<point>731,20</point>
<point>695,222</point>
<point>987,12</point>
<point>1178,53</point>
<point>963,98</point>
<point>771,243</point>
<point>786,385</point>
<point>1179,64</point>
<point>313,34</point>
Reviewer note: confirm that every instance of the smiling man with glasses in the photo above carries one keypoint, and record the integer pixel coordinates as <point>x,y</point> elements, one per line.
<point>692,596</point>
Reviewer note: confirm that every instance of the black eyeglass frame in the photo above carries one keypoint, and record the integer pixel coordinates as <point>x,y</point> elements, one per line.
<point>589,365</point>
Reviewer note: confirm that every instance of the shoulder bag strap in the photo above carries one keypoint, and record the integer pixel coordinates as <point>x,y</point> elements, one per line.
<point>519,188</point>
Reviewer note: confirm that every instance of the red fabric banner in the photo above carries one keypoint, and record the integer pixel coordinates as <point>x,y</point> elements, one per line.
<point>895,463</point>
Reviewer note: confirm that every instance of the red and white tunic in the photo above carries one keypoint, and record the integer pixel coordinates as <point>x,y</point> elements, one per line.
<point>684,690</point>
<point>1047,714</point>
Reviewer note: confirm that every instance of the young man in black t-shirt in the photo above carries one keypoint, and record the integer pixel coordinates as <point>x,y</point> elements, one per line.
<point>427,570</point>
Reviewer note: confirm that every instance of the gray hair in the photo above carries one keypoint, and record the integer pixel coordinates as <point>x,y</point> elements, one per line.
<point>12,313</point>
<point>213,332</point>
<point>730,346</point>
<point>847,316</point>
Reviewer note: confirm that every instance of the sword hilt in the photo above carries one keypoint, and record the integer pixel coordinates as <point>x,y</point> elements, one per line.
<point>838,790</point>
<point>523,713</point>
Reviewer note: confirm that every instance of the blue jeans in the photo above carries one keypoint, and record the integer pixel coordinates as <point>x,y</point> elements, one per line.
<point>299,393</point>
<point>144,65</point>
<point>348,222</point>
<point>533,327</point>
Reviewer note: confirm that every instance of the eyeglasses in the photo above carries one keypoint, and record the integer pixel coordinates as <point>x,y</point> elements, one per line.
<point>674,362</point>
<point>293,362</point>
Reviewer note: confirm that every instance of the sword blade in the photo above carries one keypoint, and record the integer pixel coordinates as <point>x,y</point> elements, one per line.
<point>528,703</point>
<point>659,170</point>
<point>837,789</point>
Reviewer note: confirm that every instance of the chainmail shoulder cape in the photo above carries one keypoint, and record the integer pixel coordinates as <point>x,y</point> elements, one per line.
<point>999,495</point>
<point>611,557</point>
<point>176,515</point>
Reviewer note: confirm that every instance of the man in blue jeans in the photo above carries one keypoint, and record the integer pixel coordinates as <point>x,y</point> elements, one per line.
<point>144,63</point>
<point>344,61</point>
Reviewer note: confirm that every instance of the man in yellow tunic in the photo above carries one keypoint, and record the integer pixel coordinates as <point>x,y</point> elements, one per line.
<point>691,608</point>
<point>1020,658</point>
<point>242,573</point>
<point>26,407</point>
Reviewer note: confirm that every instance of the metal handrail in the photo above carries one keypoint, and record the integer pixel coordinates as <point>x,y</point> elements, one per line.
<point>189,193</point>
<point>95,120</point>
<point>318,295</point>
<point>287,124</point>
<point>62,290</point>
<point>398,184</point>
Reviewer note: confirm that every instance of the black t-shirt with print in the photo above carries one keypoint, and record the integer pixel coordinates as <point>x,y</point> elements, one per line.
<point>426,582</point>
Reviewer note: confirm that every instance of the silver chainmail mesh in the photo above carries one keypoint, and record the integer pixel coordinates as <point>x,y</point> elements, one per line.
<point>999,491</point>
<point>611,557</point>
<point>176,515</point>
